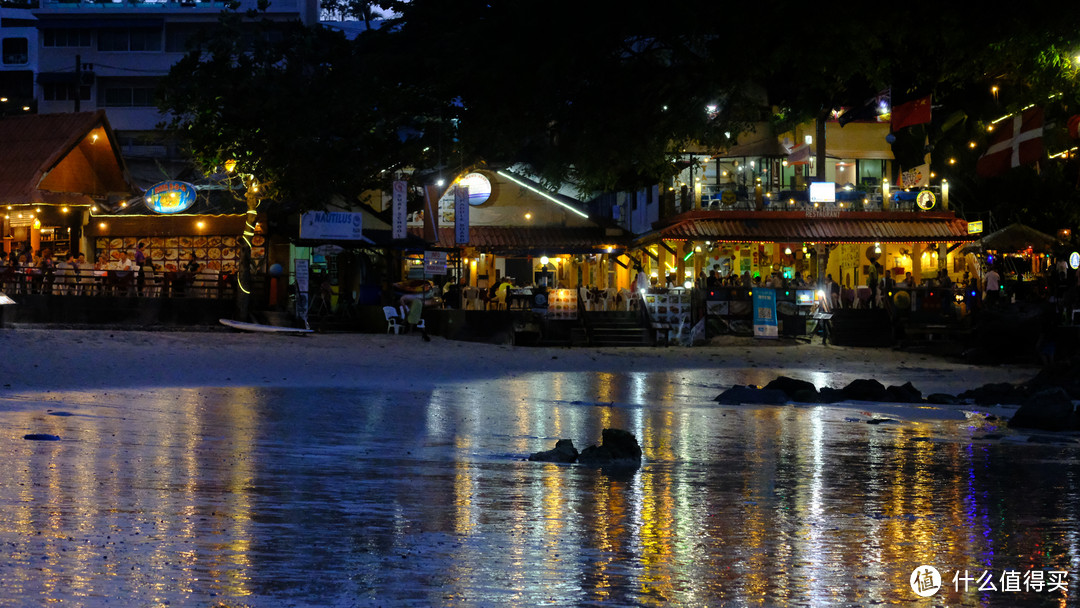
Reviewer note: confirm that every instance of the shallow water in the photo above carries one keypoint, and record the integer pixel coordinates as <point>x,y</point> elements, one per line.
<point>331,497</point>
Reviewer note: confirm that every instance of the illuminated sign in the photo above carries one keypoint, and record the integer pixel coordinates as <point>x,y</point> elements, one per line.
<point>1074,260</point>
<point>332,225</point>
<point>479,188</point>
<point>975,227</point>
<point>170,197</point>
<point>822,192</point>
<point>925,200</point>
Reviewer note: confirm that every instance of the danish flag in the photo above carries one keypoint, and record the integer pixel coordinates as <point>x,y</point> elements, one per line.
<point>1017,142</point>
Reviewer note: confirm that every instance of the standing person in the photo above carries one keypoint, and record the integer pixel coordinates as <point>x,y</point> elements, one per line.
<point>872,283</point>
<point>641,282</point>
<point>993,286</point>
<point>140,261</point>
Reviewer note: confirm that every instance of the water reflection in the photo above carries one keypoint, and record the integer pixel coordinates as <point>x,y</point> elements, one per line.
<point>327,497</point>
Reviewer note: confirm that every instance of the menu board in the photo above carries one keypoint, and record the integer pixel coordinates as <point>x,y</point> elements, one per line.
<point>671,307</point>
<point>562,304</point>
<point>172,253</point>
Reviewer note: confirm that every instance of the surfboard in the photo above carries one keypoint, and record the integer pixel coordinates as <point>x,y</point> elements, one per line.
<point>242,326</point>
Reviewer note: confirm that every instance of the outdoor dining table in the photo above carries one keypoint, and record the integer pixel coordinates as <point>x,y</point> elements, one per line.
<point>519,298</point>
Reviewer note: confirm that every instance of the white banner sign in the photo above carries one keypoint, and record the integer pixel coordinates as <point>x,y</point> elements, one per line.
<point>434,262</point>
<point>400,214</point>
<point>461,214</point>
<point>331,225</point>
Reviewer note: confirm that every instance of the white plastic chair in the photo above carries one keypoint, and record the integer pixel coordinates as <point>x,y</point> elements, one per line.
<point>393,320</point>
<point>62,279</point>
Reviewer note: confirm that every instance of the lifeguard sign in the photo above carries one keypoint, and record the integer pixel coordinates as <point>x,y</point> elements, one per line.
<point>170,197</point>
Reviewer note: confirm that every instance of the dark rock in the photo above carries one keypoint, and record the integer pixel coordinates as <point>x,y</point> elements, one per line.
<point>865,390</point>
<point>830,395</point>
<point>1048,410</point>
<point>996,393</point>
<point>881,421</point>
<point>617,447</point>
<point>564,451</point>
<point>790,386</point>
<point>41,437</point>
<point>752,395</point>
<point>1065,375</point>
<point>905,393</point>
<point>941,399</point>
<point>806,396</point>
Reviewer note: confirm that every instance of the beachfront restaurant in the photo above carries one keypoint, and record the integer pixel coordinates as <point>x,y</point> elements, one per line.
<point>521,232</point>
<point>554,258</point>
<point>749,249</point>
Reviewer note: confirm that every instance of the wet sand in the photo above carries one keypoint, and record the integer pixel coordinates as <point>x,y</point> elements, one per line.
<point>50,359</point>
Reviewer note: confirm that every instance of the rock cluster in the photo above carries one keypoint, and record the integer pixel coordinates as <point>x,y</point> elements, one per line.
<point>618,448</point>
<point>785,390</point>
<point>1046,402</point>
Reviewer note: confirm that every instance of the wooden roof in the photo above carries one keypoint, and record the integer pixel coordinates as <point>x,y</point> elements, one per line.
<point>509,240</point>
<point>801,226</point>
<point>69,159</point>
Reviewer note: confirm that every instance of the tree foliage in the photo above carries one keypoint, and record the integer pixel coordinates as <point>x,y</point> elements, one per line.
<point>604,94</point>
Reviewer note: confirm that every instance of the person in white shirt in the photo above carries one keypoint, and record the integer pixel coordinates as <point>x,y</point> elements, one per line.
<point>993,285</point>
<point>124,263</point>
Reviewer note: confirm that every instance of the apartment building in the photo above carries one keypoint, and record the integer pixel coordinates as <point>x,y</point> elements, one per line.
<point>110,54</point>
<point>18,58</point>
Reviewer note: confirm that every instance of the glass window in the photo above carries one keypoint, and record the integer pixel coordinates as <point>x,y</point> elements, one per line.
<point>63,92</point>
<point>127,97</point>
<point>16,51</point>
<point>145,40</point>
<point>871,172</point>
<point>65,37</point>
<point>112,40</point>
<point>136,39</point>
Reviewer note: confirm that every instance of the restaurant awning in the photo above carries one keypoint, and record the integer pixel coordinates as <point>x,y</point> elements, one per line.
<point>811,226</point>
<point>1014,238</point>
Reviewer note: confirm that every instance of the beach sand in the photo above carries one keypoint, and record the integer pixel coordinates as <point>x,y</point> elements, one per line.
<point>55,359</point>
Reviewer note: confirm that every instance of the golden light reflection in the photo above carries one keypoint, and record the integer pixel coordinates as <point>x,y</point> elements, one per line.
<point>135,508</point>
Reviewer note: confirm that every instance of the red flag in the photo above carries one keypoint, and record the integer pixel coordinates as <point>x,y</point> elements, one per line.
<point>915,112</point>
<point>1017,141</point>
<point>1074,126</point>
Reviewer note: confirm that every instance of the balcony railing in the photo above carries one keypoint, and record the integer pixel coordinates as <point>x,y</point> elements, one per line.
<point>733,198</point>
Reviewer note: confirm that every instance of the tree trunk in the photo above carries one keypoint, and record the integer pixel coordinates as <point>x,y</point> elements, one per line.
<point>243,270</point>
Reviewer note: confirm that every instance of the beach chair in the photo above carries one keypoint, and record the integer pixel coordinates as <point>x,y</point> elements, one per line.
<point>393,319</point>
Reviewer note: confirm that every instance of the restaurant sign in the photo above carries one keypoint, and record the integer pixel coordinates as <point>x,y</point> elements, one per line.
<point>975,227</point>
<point>332,225</point>
<point>170,197</point>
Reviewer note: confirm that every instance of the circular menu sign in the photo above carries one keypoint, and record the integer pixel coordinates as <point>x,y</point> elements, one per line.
<point>925,200</point>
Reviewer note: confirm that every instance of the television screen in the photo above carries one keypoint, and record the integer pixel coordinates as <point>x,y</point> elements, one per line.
<point>822,192</point>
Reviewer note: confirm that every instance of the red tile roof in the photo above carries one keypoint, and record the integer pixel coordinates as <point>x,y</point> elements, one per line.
<point>524,239</point>
<point>796,226</point>
<point>32,146</point>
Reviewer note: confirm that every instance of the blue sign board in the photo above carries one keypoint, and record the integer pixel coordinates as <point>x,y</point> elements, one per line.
<point>765,314</point>
<point>170,197</point>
